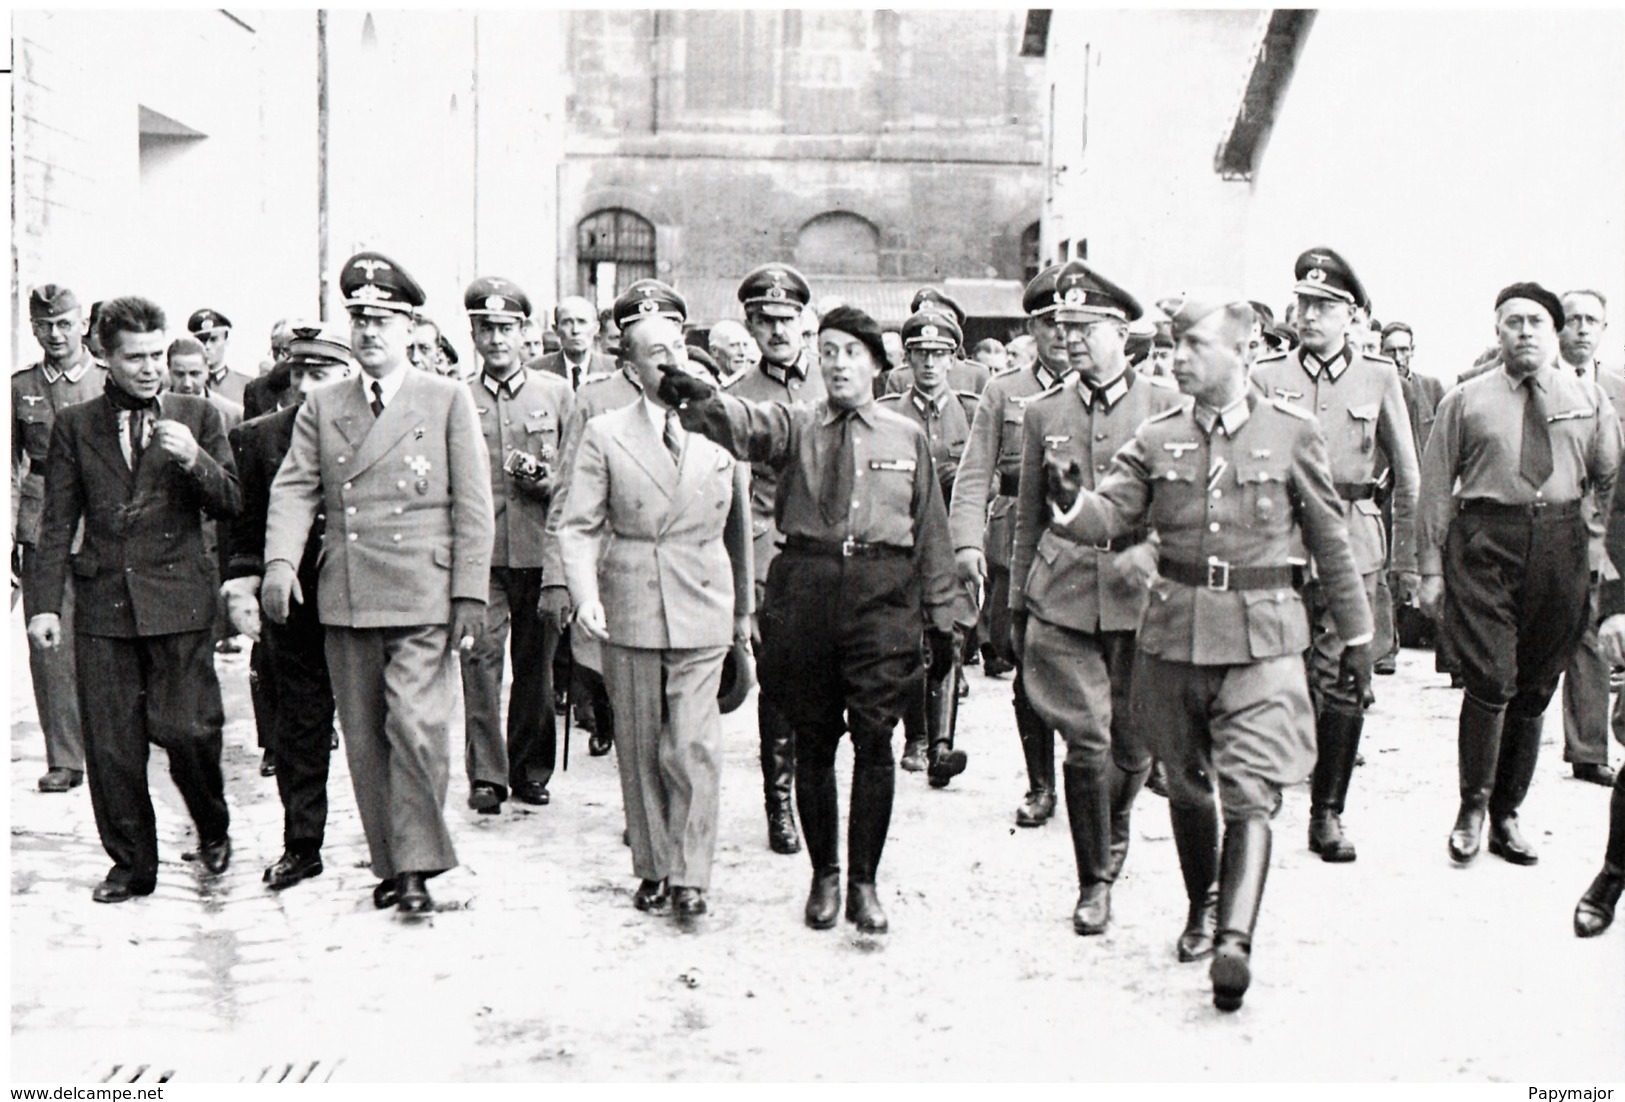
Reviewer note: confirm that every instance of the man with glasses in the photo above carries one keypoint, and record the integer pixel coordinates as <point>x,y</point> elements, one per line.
<point>65,377</point>
<point>1361,409</point>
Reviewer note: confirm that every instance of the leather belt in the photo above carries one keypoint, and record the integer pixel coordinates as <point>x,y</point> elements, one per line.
<point>1534,510</point>
<point>843,549</point>
<point>1356,491</point>
<point>1223,577</point>
<point>1121,543</point>
<point>1009,484</point>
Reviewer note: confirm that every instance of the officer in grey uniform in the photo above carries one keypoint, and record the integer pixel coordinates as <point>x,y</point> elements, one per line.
<point>981,520</point>
<point>1235,487</point>
<point>1361,408</point>
<point>65,377</point>
<point>1074,607</point>
<point>520,412</point>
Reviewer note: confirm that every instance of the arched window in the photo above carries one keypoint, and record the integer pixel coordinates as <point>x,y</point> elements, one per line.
<point>614,249</point>
<point>838,243</point>
<point>1029,253</point>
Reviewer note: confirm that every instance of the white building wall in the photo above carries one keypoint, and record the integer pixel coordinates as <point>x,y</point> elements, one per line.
<point>1445,155</point>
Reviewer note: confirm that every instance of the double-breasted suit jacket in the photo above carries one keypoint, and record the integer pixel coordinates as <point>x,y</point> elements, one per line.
<point>407,498</point>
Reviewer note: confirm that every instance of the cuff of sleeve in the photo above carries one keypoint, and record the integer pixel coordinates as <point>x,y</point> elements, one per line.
<point>1430,563</point>
<point>1360,640</point>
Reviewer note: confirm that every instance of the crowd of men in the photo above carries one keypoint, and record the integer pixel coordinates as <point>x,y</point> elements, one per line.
<point>1190,532</point>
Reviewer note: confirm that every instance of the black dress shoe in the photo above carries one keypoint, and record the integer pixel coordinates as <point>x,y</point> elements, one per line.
<point>215,855</point>
<point>1583,771</point>
<point>485,798</point>
<point>117,891</point>
<point>599,745</point>
<point>1231,971</point>
<point>293,867</point>
<point>414,898</point>
<point>913,759</point>
<point>532,792</point>
<point>1506,841</point>
<point>1384,666</point>
<point>1595,911</point>
<point>945,765</point>
<point>386,893</point>
<point>1037,809</point>
<point>267,766</point>
<point>61,780</point>
<point>1094,910</point>
<point>863,908</point>
<point>994,666</point>
<point>650,896</point>
<point>824,901</point>
<point>688,902</point>
<point>782,836</point>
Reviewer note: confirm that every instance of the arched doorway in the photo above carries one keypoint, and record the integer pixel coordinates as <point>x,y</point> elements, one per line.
<point>614,249</point>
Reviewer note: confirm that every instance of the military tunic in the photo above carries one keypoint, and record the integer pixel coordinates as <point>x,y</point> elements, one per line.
<point>1361,407</point>
<point>1233,497</point>
<point>1083,611</point>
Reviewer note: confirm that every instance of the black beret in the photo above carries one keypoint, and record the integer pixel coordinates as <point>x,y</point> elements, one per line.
<point>854,322</point>
<point>1534,292</point>
<point>1321,273</point>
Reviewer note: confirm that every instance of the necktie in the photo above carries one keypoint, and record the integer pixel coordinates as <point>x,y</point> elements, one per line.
<point>377,398</point>
<point>835,495</point>
<point>674,442</point>
<point>1535,454</point>
<point>138,437</point>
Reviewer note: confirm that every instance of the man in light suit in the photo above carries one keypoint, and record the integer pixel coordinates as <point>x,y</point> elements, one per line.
<point>577,360</point>
<point>674,509</point>
<point>396,462</point>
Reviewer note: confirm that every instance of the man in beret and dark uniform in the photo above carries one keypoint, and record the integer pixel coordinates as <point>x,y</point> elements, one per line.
<point>1236,487</point>
<point>1361,409</point>
<point>865,570</point>
<point>1504,542</point>
<point>774,297</point>
<point>1075,606</point>
<point>294,705</point>
<point>944,414</point>
<point>395,462</point>
<point>520,413</point>
<point>139,470</point>
<point>983,537</point>
<point>212,330</point>
<point>65,377</point>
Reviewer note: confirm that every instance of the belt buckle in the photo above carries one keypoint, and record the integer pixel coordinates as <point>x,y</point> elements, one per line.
<point>1104,545</point>
<point>848,547</point>
<point>1218,575</point>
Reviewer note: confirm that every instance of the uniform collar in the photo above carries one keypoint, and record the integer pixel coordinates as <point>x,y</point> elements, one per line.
<point>782,375</point>
<point>1542,375</point>
<point>500,388</point>
<point>72,374</point>
<point>925,404</point>
<point>833,413</point>
<point>1047,376</point>
<point>1103,397</point>
<point>1581,370</point>
<point>1334,367</point>
<point>218,377</point>
<point>1230,418</point>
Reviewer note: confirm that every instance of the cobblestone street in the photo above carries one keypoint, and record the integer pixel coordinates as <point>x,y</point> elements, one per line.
<point>537,967</point>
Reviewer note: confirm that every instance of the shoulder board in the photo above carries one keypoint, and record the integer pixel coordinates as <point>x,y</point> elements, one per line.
<point>1053,388</point>
<point>1161,382</point>
<point>1271,358</point>
<point>1288,407</point>
<point>1003,371</point>
<point>894,396</point>
<point>1171,411</point>
<point>601,377</point>
<point>1377,357</point>
<point>969,395</point>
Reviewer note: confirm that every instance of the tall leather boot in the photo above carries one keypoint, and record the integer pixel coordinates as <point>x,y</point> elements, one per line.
<point>778,772</point>
<point>1243,867</point>
<point>1595,912</point>
<point>819,803</point>
<point>1089,813</point>
<point>867,822</point>
<point>1478,747</point>
<point>1514,769</point>
<point>1339,740</point>
<point>914,732</point>
<point>1038,747</point>
<point>1196,838</point>
<point>1124,787</point>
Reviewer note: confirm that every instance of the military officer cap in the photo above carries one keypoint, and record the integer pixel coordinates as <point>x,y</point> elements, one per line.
<point>1039,297</point>
<point>929,298</point>
<point>207,321</point>
<point>777,290</point>
<point>495,297</point>
<point>1537,294</point>
<point>1083,294</point>
<point>313,346</point>
<point>931,329</point>
<point>1321,273</point>
<point>51,300</point>
<point>374,285</point>
<point>648,298</point>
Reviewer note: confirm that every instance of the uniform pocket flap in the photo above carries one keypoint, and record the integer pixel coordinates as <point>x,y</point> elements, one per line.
<point>442,557</point>
<point>1365,412</point>
<point>1049,547</point>
<point>1369,507</point>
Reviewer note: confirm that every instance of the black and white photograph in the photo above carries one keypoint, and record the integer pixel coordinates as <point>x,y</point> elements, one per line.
<point>817,545</point>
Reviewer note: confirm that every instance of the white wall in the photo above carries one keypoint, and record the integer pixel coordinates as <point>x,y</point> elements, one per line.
<point>1446,155</point>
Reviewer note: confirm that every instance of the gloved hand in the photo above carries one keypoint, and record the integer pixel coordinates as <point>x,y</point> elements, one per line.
<point>678,386</point>
<point>1354,672</point>
<point>940,648</point>
<point>242,606</point>
<point>1062,481</point>
<point>1018,635</point>
<point>554,606</point>
<point>467,622</point>
<point>280,587</point>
